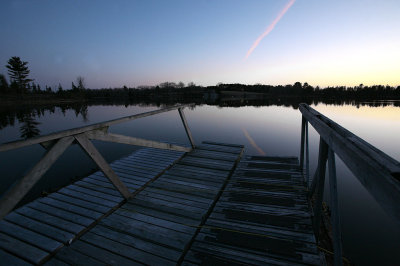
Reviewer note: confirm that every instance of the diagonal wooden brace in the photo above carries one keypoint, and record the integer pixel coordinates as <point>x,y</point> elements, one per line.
<point>17,192</point>
<point>187,129</point>
<point>93,153</point>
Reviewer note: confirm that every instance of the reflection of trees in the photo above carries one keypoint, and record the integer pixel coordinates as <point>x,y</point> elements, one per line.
<point>29,128</point>
<point>26,115</point>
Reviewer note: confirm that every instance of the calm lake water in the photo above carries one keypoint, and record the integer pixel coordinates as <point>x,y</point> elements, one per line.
<point>370,236</point>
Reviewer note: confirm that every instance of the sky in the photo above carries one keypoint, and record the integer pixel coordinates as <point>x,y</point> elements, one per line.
<point>134,43</point>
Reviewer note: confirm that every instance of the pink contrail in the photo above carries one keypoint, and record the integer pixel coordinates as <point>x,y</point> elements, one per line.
<point>270,27</point>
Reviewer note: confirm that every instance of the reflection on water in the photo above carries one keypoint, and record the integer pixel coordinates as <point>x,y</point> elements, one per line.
<point>29,127</point>
<point>369,235</point>
<point>253,143</point>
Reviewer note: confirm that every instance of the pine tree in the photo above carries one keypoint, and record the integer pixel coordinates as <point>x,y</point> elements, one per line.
<point>3,84</point>
<point>18,72</point>
<point>60,89</point>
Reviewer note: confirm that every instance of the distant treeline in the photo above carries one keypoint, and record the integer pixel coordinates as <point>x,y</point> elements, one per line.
<point>172,92</point>
<point>169,92</point>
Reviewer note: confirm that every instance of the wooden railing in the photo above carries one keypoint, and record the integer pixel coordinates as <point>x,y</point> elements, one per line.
<point>56,143</point>
<point>377,172</point>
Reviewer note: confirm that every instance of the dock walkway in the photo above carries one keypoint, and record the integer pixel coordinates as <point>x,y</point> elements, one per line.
<point>201,207</point>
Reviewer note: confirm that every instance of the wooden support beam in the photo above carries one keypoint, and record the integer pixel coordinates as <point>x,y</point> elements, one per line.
<point>320,186</point>
<point>185,124</point>
<point>307,158</point>
<point>303,127</point>
<point>335,217</point>
<point>93,153</point>
<point>19,190</point>
<point>103,136</point>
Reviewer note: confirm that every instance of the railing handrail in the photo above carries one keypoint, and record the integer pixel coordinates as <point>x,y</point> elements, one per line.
<point>377,171</point>
<point>73,131</point>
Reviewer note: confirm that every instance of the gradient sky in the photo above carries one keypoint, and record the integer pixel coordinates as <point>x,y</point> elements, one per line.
<point>116,43</point>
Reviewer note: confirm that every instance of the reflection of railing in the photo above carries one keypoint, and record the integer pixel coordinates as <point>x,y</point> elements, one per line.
<point>377,172</point>
<point>57,143</point>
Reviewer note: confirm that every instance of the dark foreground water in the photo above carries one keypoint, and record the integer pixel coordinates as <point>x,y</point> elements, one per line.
<point>370,237</point>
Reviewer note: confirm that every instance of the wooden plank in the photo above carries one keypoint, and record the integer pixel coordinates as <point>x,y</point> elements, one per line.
<point>130,183</point>
<point>74,131</point>
<point>91,214</point>
<point>157,213</point>
<point>173,225</point>
<point>147,163</point>
<point>10,199</point>
<point>41,228</point>
<point>100,195</point>
<point>89,198</point>
<point>22,249</point>
<point>197,171</point>
<point>93,186</point>
<point>79,202</point>
<point>186,126</point>
<point>175,205</point>
<point>8,259</point>
<point>137,243</point>
<point>224,144</point>
<point>149,232</point>
<point>94,154</point>
<point>105,186</point>
<point>50,220</point>
<point>80,253</point>
<point>218,148</point>
<point>181,200</point>
<point>200,192</point>
<point>29,236</point>
<point>166,209</point>
<point>116,138</point>
<point>56,262</point>
<point>65,215</point>
<point>136,255</point>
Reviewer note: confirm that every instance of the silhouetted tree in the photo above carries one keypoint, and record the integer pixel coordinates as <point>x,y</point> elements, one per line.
<point>18,72</point>
<point>3,84</point>
<point>73,87</point>
<point>81,83</point>
<point>60,89</point>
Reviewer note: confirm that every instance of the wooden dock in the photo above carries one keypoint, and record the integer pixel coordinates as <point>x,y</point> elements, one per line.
<point>202,207</point>
<point>177,205</point>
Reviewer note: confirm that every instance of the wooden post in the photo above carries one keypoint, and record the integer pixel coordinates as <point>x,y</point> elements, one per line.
<point>93,153</point>
<point>335,217</point>
<point>307,157</point>
<point>320,186</point>
<point>17,192</point>
<point>185,124</point>
<point>303,123</point>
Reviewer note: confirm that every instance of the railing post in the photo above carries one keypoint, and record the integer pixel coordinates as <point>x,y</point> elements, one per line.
<point>335,217</point>
<point>185,124</point>
<point>307,157</point>
<point>323,154</point>
<point>303,123</point>
<point>17,192</point>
